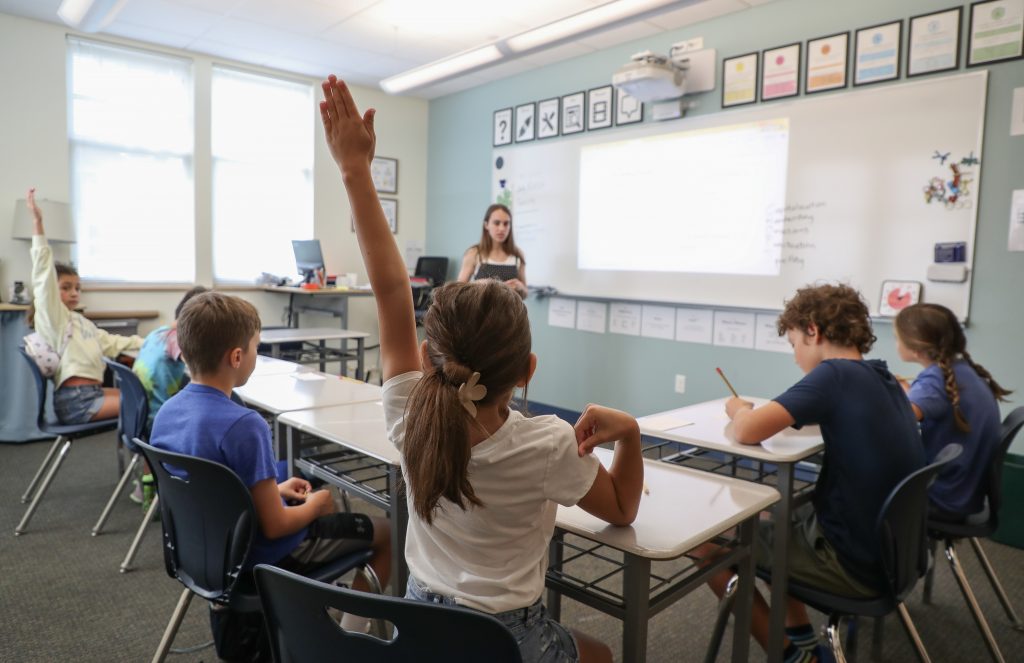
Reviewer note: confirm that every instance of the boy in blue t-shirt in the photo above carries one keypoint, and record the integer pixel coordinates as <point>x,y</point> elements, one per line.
<point>218,336</point>
<point>871,444</point>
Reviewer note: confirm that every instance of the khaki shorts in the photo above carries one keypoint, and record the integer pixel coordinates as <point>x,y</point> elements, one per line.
<point>812,559</point>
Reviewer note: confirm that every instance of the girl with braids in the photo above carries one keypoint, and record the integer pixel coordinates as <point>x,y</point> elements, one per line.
<point>955,401</point>
<point>482,481</point>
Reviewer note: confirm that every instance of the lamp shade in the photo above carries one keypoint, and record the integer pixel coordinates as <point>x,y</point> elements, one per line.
<point>56,221</point>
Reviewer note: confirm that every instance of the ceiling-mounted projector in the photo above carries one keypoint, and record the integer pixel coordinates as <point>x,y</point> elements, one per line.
<point>650,77</point>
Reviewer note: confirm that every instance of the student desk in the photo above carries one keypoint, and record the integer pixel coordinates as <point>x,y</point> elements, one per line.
<point>358,459</point>
<point>318,337</point>
<point>710,430</point>
<point>270,366</point>
<point>324,300</point>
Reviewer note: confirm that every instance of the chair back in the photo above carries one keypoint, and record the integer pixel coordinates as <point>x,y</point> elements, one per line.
<point>134,411</point>
<point>302,630</point>
<point>40,383</point>
<point>434,268</point>
<point>902,530</point>
<point>1011,426</point>
<point>208,520</point>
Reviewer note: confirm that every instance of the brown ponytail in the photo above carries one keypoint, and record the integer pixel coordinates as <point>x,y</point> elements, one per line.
<point>470,327</point>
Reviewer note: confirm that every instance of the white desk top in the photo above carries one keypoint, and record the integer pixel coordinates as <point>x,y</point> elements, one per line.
<point>290,335</point>
<point>359,427</point>
<point>355,291</point>
<point>286,392</point>
<point>685,508</point>
<point>710,428</point>
<point>270,366</point>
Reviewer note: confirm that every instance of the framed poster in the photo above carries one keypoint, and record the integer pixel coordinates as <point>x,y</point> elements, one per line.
<point>525,122</point>
<point>599,108</point>
<point>898,295</point>
<point>934,42</point>
<point>826,63</point>
<point>780,72</point>
<point>390,207</point>
<point>739,80</point>
<point>877,53</point>
<point>502,127</point>
<point>384,172</point>
<point>547,118</point>
<point>996,32</point>
<point>628,109</point>
<point>572,113</point>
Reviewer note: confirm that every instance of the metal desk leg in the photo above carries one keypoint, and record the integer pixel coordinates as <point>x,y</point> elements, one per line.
<point>275,350</point>
<point>293,314</point>
<point>783,516</point>
<point>399,517</point>
<point>290,452</point>
<point>743,604</point>
<point>343,311</point>
<point>636,593</point>
<point>360,349</point>
<point>322,352</point>
<point>554,602</point>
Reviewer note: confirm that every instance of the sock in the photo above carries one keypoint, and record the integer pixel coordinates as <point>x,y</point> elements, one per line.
<point>793,654</point>
<point>355,623</point>
<point>802,636</point>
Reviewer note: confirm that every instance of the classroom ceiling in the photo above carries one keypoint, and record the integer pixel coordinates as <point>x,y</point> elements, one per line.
<point>366,41</point>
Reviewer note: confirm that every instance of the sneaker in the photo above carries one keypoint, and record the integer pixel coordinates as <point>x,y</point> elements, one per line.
<point>148,491</point>
<point>136,494</point>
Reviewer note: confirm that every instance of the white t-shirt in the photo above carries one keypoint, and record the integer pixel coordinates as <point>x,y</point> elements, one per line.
<point>493,558</point>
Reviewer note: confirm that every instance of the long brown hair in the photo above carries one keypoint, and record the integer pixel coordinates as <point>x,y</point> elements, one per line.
<point>934,331</point>
<point>486,245</point>
<point>470,327</point>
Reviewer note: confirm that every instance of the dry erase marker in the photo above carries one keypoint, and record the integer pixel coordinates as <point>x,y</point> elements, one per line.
<point>726,381</point>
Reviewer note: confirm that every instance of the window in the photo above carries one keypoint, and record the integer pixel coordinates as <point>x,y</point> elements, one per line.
<point>131,130</point>
<point>262,143</point>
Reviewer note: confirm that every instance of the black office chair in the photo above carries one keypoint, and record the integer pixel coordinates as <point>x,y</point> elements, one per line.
<point>435,270</point>
<point>209,522</point>
<point>975,527</point>
<point>66,434</point>
<point>302,630</point>
<point>903,537</point>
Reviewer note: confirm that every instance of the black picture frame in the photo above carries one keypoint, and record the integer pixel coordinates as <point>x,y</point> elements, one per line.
<point>846,64</point>
<point>526,122</point>
<point>574,123</point>
<point>970,39</point>
<point>633,114</point>
<point>549,126</point>
<point>593,110</point>
<point>757,78</point>
<point>502,135</point>
<point>390,207</point>
<point>910,41</point>
<point>764,68</point>
<point>899,53</point>
<point>384,172</point>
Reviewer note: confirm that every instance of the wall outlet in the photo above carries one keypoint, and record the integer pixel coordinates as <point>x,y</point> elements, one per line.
<point>680,384</point>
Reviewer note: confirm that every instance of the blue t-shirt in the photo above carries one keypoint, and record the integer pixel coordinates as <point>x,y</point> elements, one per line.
<point>871,444</point>
<point>961,486</point>
<point>201,421</point>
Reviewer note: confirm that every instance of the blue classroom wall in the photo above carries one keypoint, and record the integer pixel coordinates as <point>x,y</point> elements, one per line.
<point>638,374</point>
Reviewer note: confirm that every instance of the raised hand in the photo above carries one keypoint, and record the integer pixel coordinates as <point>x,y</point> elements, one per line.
<point>350,137</point>
<point>37,214</point>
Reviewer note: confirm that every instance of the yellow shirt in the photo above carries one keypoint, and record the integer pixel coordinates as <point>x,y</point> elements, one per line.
<point>82,354</point>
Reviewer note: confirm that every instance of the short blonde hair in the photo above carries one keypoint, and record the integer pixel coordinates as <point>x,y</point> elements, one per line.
<point>212,324</point>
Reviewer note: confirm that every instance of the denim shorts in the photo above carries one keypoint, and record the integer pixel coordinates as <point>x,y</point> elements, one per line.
<point>78,404</point>
<point>540,638</point>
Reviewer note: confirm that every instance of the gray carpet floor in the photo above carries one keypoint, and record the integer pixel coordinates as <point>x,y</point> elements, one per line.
<point>63,599</point>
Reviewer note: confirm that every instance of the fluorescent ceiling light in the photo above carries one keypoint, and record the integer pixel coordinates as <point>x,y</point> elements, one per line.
<point>598,18</point>
<point>435,72</point>
<point>89,15</point>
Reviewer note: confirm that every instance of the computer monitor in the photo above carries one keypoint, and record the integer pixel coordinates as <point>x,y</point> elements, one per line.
<point>308,257</point>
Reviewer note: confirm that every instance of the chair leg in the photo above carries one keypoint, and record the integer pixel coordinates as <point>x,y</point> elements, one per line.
<point>98,527</point>
<point>42,468</point>
<point>852,648</point>
<point>832,636</point>
<point>172,627</point>
<point>908,624</point>
<point>996,585</point>
<point>126,565</point>
<point>972,603</point>
<point>724,610</point>
<point>929,578</point>
<point>377,627</point>
<point>20,529</point>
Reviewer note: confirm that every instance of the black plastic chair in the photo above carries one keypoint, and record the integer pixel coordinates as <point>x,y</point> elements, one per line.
<point>209,522</point>
<point>975,527</point>
<point>302,630</point>
<point>435,270</point>
<point>902,534</point>
<point>65,433</point>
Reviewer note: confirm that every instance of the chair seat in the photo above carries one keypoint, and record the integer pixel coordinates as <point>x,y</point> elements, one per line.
<point>978,525</point>
<point>828,602</point>
<point>75,430</point>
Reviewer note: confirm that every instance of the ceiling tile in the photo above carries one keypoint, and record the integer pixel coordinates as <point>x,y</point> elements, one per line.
<point>146,33</point>
<point>302,16</point>
<point>43,10</point>
<point>558,54</point>
<point>163,15</point>
<point>704,11</point>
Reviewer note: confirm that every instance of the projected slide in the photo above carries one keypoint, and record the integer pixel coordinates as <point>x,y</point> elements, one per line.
<point>708,201</point>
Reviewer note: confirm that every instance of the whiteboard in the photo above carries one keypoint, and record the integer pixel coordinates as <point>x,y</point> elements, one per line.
<point>856,206</point>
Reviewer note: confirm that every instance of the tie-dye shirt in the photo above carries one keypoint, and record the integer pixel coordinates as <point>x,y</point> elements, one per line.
<point>160,368</point>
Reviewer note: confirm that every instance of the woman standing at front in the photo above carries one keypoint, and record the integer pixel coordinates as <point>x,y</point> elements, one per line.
<point>496,256</point>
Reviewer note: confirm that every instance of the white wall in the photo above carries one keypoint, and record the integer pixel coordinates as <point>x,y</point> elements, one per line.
<point>34,152</point>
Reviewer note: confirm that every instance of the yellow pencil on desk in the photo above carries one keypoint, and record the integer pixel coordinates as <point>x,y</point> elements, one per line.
<point>726,381</point>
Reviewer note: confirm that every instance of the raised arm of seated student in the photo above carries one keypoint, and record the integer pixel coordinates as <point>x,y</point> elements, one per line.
<point>752,425</point>
<point>51,314</point>
<point>276,519</point>
<point>615,493</point>
<point>351,139</point>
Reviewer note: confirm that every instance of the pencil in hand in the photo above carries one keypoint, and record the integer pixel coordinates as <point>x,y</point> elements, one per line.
<point>726,381</point>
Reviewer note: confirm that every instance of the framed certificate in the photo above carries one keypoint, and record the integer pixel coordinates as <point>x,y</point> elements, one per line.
<point>525,122</point>
<point>996,32</point>
<point>390,207</point>
<point>934,42</point>
<point>502,127</point>
<point>599,108</point>
<point>547,118</point>
<point>780,72</point>
<point>739,80</point>
<point>826,63</point>
<point>572,113</point>
<point>877,53</point>
<point>384,173</point>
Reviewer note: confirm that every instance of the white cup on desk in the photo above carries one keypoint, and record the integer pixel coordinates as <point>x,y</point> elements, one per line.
<point>347,280</point>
